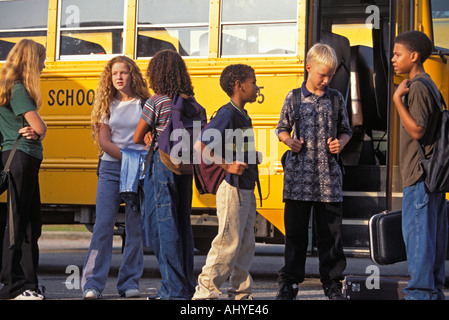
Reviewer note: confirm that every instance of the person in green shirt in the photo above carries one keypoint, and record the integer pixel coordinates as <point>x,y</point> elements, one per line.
<point>20,100</point>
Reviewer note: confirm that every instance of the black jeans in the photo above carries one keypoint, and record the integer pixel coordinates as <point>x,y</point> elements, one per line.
<point>20,261</point>
<point>327,219</point>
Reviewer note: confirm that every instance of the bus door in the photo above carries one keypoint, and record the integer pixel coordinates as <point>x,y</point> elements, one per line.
<point>362,35</point>
<point>362,78</point>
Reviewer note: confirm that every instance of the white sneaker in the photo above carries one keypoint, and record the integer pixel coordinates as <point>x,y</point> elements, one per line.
<point>91,294</point>
<point>29,295</point>
<point>131,293</point>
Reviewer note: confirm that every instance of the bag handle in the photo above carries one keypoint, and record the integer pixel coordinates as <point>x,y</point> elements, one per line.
<point>14,148</point>
<point>6,169</point>
<point>11,155</point>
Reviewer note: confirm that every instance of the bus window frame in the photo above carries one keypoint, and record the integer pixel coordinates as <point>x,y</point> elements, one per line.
<point>223,23</point>
<point>167,26</point>
<point>32,32</point>
<point>88,57</point>
<point>439,49</point>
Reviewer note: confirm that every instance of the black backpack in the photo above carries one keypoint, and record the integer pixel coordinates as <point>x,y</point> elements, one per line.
<point>436,168</point>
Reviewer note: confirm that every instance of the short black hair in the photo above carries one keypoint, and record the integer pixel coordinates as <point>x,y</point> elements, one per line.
<point>231,74</point>
<point>416,41</point>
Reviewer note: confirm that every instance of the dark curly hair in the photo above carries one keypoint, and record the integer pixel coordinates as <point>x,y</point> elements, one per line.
<point>416,41</point>
<point>231,74</point>
<point>167,74</point>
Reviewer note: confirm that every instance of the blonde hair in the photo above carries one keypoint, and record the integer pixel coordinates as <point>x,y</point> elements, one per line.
<point>22,65</point>
<point>106,91</point>
<point>323,54</point>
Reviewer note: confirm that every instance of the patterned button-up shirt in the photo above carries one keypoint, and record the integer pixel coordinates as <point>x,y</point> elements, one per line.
<point>313,174</point>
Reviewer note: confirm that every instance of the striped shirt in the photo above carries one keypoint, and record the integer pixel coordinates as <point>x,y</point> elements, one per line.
<point>156,113</point>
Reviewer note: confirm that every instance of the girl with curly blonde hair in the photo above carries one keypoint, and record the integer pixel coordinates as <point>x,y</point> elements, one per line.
<point>168,196</point>
<point>107,91</point>
<point>118,104</point>
<point>20,99</point>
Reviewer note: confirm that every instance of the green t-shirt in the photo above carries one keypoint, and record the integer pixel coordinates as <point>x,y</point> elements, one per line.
<point>11,122</point>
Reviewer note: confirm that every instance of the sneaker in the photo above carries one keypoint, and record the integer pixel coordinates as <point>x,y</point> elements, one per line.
<point>30,295</point>
<point>41,290</point>
<point>131,293</point>
<point>242,297</point>
<point>154,297</point>
<point>287,291</point>
<point>333,292</point>
<point>91,294</point>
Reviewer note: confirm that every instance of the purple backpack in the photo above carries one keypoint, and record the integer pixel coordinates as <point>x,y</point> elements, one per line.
<point>187,119</point>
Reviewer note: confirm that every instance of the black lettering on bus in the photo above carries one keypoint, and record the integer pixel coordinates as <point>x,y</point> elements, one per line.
<point>90,97</point>
<point>260,95</point>
<point>52,101</point>
<point>60,103</point>
<point>80,97</point>
<point>69,97</point>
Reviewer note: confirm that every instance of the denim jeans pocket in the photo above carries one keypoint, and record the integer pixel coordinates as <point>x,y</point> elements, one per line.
<point>164,212</point>
<point>422,198</point>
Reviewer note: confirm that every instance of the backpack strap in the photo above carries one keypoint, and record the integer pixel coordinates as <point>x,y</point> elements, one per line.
<point>296,106</point>
<point>11,154</point>
<point>438,98</point>
<point>335,105</point>
<point>334,96</point>
<point>10,210</point>
<point>149,156</point>
<point>13,149</point>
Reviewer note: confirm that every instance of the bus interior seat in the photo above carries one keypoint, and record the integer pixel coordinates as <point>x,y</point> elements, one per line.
<point>371,86</point>
<point>74,46</point>
<point>5,47</point>
<point>340,44</point>
<point>342,82</point>
<point>370,69</point>
<point>381,62</point>
<point>148,47</point>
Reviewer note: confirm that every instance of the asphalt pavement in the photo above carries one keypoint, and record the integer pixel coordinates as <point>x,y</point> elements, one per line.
<point>62,255</point>
<point>53,242</point>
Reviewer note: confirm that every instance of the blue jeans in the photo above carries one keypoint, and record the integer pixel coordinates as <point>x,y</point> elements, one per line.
<point>96,266</point>
<point>425,231</point>
<point>167,228</point>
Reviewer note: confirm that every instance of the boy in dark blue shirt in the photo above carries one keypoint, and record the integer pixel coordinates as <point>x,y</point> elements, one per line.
<point>232,249</point>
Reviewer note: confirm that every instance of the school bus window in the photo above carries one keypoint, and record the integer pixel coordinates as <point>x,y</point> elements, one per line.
<point>91,27</point>
<point>22,19</point>
<point>170,24</point>
<point>258,27</point>
<point>440,18</point>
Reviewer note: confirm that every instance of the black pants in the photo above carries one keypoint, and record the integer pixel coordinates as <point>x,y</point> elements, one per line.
<point>20,261</point>
<point>327,219</point>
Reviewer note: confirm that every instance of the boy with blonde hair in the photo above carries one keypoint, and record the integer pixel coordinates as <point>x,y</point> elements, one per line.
<point>312,175</point>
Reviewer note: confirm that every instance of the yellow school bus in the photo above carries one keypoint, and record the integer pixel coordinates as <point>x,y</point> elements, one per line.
<point>271,36</point>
